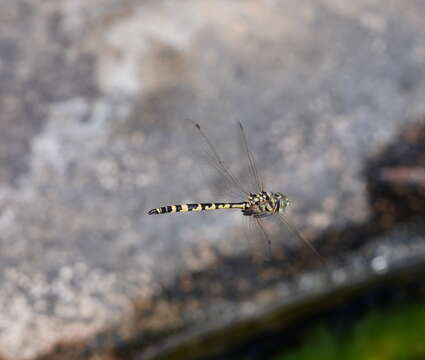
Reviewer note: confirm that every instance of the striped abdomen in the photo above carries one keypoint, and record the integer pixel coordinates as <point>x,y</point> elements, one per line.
<point>197,207</point>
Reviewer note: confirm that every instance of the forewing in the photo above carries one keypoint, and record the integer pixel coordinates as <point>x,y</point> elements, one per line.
<point>255,177</point>
<point>211,156</point>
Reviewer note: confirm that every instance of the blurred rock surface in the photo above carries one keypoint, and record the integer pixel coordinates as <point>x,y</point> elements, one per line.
<point>92,97</point>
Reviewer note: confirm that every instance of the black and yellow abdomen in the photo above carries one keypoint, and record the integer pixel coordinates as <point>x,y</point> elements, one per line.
<point>197,207</point>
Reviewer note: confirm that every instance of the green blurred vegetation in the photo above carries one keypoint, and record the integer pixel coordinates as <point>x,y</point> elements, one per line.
<point>396,334</point>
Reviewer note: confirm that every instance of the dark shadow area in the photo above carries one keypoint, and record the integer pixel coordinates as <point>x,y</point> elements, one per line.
<point>395,181</point>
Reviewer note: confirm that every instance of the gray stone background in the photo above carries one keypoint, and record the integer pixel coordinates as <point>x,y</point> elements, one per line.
<point>92,101</point>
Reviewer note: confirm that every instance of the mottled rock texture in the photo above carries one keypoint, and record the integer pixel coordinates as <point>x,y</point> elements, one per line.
<point>92,101</point>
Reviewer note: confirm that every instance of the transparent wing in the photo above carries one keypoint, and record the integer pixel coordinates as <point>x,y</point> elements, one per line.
<point>295,232</point>
<point>259,184</point>
<point>254,174</point>
<point>214,160</point>
<point>259,239</point>
<point>265,236</point>
<point>264,250</point>
<point>257,229</point>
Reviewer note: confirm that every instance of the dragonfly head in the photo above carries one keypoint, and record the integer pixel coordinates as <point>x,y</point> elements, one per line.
<point>282,200</point>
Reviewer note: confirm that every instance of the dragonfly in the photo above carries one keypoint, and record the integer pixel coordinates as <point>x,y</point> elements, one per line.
<point>257,205</point>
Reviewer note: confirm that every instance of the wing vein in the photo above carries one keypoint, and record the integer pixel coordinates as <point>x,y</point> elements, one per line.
<point>217,160</point>
<point>299,236</point>
<point>252,166</point>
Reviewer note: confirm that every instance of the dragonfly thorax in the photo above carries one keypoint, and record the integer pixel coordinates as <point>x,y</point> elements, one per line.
<point>265,203</point>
